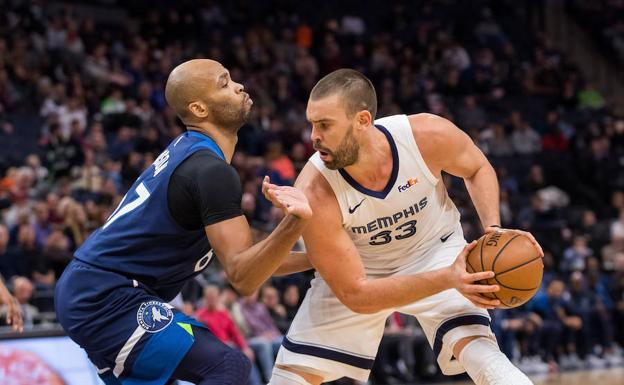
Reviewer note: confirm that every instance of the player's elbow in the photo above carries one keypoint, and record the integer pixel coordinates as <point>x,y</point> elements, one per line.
<point>244,287</point>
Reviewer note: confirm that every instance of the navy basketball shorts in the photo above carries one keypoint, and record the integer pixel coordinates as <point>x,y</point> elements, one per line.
<point>130,334</point>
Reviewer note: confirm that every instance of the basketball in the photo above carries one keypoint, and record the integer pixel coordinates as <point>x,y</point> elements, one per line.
<point>516,263</point>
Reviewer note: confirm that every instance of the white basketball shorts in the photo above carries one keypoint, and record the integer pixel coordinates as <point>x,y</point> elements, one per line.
<point>328,339</point>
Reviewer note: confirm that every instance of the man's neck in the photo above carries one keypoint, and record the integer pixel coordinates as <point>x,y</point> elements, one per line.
<point>224,139</point>
<point>374,165</point>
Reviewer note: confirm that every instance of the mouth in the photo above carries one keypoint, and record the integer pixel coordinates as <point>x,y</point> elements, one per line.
<point>323,155</point>
<point>247,99</point>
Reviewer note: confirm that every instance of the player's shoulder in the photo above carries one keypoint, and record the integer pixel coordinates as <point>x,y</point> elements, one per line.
<point>312,182</point>
<point>431,130</point>
<point>429,123</point>
<point>316,188</point>
<point>205,163</point>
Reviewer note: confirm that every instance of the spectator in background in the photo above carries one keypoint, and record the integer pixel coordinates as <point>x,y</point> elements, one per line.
<point>218,320</point>
<point>10,308</point>
<point>617,227</point>
<point>75,222</point>
<point>590,98</point>
<point>278,162</point>
<point>291,301</point>
<point>24,257</point>
<point>495,142</point>
<point>271,299</point>
<point>618,296</point>
<point>575,256</point>
<point>23,291</point>
<point>264,337</point>
<point>42,225</point>
<point>524,139</point>
<point>62,152</point>
<point>513,326</point>
<point>231,301</point>
<point>553,317</point>
<point>470,116</point>
<point>579,341</point>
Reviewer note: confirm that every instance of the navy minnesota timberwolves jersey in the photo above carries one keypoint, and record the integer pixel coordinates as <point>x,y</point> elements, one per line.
<point>141,240</point>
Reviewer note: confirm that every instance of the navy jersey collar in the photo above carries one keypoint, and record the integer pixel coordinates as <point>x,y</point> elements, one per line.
<point>395,170</point>
<point>207,142</point>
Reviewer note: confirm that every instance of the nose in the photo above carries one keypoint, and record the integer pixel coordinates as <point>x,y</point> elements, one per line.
<point>314,135</point>
<point>239,88</point>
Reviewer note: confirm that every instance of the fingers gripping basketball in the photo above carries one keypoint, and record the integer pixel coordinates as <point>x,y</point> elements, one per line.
<point>516,262</point>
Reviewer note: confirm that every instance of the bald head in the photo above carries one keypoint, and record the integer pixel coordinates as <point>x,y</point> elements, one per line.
<point>189,82</point>
<point>200,90</point>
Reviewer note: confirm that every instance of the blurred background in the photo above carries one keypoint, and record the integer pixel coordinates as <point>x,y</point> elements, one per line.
<point>538,85</point>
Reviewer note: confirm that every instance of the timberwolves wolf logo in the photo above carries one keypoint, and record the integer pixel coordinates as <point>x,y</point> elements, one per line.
<point>154,316</point>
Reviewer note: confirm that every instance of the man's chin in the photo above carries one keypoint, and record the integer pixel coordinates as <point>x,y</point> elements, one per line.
<point>331,165</point>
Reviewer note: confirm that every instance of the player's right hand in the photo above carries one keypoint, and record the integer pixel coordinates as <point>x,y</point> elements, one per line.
<point>467,284</point>
<point>290,199</point>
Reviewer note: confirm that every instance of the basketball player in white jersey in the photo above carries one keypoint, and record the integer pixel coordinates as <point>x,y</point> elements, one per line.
<point>385,237</point>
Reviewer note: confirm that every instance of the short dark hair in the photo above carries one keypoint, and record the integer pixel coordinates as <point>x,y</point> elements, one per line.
<point>357,90</point>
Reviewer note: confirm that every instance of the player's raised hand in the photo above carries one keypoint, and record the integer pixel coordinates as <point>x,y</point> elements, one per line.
<point>468,284</point>
<point>290,199</point>
<point>491,229</point>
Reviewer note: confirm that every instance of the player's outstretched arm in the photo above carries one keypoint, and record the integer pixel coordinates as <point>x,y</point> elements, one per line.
<point>249,266</point>
<point>462,158</point>
<point>337,260</point>
<point>14,312</point>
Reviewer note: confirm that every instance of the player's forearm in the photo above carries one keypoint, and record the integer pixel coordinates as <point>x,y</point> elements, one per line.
<point>255,265</point>
<point>373,295</point>
<point>484,192</point>
<point>295,263</point>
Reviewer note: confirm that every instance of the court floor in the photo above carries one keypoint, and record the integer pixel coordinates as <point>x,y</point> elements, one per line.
<point>614,376</point>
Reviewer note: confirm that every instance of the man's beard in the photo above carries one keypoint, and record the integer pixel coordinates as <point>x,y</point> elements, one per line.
<point>231,117</point>
<point>347,153</point>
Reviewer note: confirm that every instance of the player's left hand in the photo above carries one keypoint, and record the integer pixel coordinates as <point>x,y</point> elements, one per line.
<point>491,229</point>
<point>290,199</point>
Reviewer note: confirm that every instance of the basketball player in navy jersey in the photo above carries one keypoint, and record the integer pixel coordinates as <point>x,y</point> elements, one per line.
<point>182,210</point>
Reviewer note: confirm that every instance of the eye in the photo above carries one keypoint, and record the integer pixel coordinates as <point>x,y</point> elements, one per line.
<point>225,84</point>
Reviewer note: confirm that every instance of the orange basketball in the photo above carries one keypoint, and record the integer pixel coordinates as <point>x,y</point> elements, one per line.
<point>516,263</point>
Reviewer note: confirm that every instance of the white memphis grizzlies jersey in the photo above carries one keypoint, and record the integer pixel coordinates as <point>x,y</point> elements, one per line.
<point>394,227</point>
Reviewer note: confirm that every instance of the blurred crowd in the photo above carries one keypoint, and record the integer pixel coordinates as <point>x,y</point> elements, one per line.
<point>604,19</point>
<point>92,77</point>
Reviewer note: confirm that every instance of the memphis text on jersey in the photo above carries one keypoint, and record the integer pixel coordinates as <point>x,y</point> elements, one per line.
<point>381,223</point>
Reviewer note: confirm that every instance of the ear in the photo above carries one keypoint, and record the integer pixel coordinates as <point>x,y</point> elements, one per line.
<point>198,109</point>
<point>363,118</point>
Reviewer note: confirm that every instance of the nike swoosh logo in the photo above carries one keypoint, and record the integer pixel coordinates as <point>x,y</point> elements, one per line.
<point>444,238</point>
<point>352,210</point>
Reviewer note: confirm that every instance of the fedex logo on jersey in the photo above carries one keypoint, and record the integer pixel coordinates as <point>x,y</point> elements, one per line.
<point>410,183</point>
